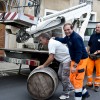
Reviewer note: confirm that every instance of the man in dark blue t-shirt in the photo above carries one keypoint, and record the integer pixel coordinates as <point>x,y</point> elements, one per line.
<point>94,59</point>
<point>79,58</point>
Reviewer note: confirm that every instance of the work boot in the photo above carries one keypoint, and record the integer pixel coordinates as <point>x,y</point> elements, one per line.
<point>96,88</point>
<point>86,96</point>
<point>88,86</point>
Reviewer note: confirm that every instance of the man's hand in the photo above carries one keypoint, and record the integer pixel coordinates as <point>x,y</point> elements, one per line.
<point>41,66</point>
<point>73,70</point>
<point>96,52</point>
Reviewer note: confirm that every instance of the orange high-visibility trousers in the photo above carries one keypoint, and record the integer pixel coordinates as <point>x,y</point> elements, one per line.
<point>78,77</point>
<point>89,72</point>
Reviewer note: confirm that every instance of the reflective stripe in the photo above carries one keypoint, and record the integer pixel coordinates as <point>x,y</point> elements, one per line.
<point>78,94</point>
<point>13,16</point>
<point>78,98</point>
<point>98,77</point>
<point>78,90</point>
<point>97,83</point>
<point>84,91</point>
<point>7,15</point>
<point>89,76</point>
<point>89,82</point>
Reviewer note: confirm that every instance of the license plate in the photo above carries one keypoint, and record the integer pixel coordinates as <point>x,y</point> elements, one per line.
<point>14,60</point>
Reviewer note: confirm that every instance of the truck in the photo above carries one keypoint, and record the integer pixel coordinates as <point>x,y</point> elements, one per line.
<point>28,26</point>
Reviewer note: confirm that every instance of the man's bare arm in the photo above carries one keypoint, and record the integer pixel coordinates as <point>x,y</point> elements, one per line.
<point>88,49</point>
<point>47,62</point>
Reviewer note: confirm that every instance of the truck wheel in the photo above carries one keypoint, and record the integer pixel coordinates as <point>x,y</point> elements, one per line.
<point>32,67</point>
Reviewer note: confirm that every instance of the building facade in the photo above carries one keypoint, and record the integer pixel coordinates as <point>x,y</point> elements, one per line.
<point>64,4</point>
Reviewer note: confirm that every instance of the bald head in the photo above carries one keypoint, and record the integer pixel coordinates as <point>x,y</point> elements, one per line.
<point>98,28</point>
<point>98,23</point>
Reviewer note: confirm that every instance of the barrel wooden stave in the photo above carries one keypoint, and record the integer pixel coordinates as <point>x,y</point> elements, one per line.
<point>42,83</point>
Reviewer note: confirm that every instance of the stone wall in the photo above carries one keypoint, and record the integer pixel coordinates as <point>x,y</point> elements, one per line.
<point>96,8</point>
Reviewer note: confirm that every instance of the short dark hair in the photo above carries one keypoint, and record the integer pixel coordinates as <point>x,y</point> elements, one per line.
<point>45,35</point>
<point>71,26</point>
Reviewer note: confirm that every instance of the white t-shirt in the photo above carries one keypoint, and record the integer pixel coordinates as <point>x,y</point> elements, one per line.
<point>60,51</point>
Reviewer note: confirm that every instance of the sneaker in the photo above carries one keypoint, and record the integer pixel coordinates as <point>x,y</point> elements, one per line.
<point>96,88</point>
<point>85,97</point>
<point>63,97</point>
<point>71,90</point>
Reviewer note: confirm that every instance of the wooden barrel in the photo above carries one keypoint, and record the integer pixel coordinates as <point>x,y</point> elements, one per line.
<point>42,83</point>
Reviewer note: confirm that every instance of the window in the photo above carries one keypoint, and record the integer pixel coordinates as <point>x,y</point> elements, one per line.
<point>89,31</point>
<point>49,11</point>
<point>82,1</point>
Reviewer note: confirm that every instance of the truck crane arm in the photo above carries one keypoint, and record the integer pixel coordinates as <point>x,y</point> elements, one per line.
<point>55,20</point>
<point>47,23</point>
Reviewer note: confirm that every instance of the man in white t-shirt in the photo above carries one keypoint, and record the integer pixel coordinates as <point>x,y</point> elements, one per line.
<point>60,52</point>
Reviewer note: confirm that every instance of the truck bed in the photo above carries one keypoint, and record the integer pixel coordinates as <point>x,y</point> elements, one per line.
<point>23,53</point>
<point>27,56</point>
<point>24,56</point>
<point>24,50</point>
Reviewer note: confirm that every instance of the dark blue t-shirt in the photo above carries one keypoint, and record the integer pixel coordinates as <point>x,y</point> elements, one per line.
<point>94,42</point>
